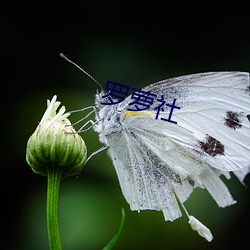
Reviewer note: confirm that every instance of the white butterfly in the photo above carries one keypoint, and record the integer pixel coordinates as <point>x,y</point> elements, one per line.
<point>159,162</point>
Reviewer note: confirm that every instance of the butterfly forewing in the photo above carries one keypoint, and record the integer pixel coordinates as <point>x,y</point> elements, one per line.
<point>213,106</point>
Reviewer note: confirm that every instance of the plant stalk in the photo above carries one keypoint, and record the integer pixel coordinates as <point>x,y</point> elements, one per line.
<point>53,185</point>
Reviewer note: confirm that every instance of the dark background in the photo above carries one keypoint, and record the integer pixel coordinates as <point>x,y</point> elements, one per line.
<point>132,43</point>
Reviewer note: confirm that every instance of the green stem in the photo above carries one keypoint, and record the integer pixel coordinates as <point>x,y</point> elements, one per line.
<point>54,177</point>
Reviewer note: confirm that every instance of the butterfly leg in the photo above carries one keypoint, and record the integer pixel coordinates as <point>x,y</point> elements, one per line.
<point>81,129</point>
<point>91,155</point>
<point>96,152</point>
<point>86,116</point>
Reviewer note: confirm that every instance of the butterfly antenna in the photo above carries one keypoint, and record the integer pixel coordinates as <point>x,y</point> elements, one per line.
<point>68,60</point>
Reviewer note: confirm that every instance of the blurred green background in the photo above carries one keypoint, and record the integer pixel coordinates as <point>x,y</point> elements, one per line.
<point>130,43</point>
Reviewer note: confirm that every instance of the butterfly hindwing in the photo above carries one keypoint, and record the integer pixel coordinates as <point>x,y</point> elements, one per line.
<point>141,181</point>
<point>153,166</point>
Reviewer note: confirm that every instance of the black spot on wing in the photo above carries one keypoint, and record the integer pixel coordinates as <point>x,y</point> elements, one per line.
<point>233,119</point>
<point>212,146</point>
<point>248,89</point>
<point>191,181</point>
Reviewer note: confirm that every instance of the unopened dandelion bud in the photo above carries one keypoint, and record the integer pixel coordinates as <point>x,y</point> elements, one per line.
<point>55,144</point>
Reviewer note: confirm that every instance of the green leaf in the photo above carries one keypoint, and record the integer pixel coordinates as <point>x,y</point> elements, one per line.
<point>117,234</point>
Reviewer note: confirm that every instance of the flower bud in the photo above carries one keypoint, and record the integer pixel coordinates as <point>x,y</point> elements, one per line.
<point>55,144</point>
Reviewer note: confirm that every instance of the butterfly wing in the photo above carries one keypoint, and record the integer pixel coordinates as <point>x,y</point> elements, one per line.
<point>156,160</point>
<point>214,107</point>
<point>141,183</point>
<point>153,168</point>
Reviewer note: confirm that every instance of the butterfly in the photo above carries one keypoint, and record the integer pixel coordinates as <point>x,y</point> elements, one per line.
<point>160,163</point>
